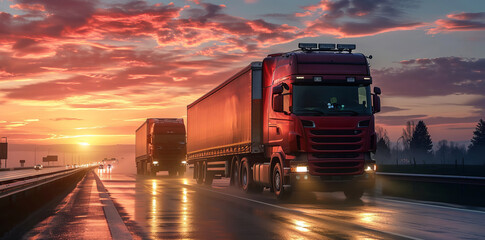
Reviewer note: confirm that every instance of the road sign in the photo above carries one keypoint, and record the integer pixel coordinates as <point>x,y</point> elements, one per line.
<point>50,158</point>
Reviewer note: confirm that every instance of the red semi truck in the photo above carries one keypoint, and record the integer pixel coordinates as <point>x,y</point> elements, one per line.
<point>301,120</point>
<point>161,146</point>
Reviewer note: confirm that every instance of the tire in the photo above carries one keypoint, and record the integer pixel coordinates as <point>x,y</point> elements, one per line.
<point>245,178</point>
<point>235,175</point>
<point>198,171</point>
<point>172,172</point>
<point>353,193</point>
<point>181,172</point>
<point>207,176</point>
<point>277,183</point>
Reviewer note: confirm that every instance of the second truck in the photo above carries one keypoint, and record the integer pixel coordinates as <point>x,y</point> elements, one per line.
<point>161,146</point>
<point>302,120</point>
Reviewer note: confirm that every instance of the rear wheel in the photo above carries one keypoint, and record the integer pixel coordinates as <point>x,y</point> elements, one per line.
<point>354,192</point>
<point>198,173</point>
<point>181,171</point>
<point>277,180</point>
<point>172,172</point>
<point>235,175</point>
<point>206,174</point>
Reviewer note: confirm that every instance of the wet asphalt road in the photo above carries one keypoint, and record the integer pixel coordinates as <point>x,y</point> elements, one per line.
<point>162,207</point>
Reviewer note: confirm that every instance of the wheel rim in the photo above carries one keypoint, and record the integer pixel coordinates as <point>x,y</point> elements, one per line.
<point>277,180</point>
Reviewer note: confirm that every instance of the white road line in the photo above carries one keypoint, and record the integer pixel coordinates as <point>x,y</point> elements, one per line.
<point>301,212</point>
<point>116,225</point>
<point>436,206</point>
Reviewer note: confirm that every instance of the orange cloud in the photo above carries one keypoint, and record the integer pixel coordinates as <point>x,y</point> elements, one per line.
<point>460,22</point>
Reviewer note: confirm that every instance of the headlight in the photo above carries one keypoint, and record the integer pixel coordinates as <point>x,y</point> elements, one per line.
<point>300,169</point>
<point>155,162</point>
<point>184,162</point>
<point>370,168</point>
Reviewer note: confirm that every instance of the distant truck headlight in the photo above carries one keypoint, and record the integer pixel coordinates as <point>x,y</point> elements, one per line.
<point>155,162</point>
<point>184,162</point>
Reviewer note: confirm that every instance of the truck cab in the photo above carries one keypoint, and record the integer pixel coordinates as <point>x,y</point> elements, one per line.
<point>318,119</point>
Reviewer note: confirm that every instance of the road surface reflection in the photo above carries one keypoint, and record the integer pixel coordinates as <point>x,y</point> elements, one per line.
<point>163,207</point>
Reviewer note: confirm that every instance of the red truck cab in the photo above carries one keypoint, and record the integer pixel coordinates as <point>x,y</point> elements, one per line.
<point>318,119</point>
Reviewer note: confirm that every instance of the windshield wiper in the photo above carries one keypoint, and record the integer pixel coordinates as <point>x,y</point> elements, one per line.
<point>313,110</point>
<point>353,113</point>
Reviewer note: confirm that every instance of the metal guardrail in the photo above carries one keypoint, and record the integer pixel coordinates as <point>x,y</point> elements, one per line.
<point>12,186</point>
<point>434,178</point>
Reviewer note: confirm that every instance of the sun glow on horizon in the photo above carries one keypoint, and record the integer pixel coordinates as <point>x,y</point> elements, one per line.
<point>84,144</point>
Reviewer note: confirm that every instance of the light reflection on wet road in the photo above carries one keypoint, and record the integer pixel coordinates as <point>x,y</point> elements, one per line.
<point>176,208</point>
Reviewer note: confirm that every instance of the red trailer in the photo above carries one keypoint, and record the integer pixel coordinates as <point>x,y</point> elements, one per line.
<point>161,146</point>
<point>301,120</point>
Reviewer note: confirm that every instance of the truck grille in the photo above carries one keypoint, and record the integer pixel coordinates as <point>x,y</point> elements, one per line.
<point>336,167</point>
<point>336,151</point>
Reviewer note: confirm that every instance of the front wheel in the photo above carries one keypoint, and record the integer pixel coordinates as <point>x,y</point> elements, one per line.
<point>277,178</point>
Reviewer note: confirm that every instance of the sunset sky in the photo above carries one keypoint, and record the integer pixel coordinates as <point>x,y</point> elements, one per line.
<point>88,71</point>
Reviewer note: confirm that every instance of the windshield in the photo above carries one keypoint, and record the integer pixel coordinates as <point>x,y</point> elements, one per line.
<point>331,100</point>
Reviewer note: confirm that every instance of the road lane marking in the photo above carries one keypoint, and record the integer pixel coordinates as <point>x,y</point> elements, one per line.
<point>304,213</point>
<point>116,225</point>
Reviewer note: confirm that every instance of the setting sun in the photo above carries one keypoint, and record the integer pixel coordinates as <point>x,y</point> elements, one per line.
<point>84,144</point>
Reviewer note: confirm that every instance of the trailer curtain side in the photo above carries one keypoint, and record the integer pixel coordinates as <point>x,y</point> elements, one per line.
<point>219,123</point>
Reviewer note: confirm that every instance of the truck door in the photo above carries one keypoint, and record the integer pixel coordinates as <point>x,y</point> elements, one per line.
<point>279,121</point>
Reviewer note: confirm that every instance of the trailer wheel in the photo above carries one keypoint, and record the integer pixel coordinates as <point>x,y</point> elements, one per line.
<point>206,174</point>
<point>277,180</point>
<point>353,193</point>
<point>172,172</point>
<point>235,175</point>
<point>181,171</point>
<point>198,173</point>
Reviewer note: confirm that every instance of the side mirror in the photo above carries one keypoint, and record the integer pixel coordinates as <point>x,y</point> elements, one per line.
<point>278,103</point>
<point>376,103</point>
<point>278,89</point>
<point>377,90</point>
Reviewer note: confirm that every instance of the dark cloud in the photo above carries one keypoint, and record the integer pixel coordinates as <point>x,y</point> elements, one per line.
<point>433,77</point>
<point>353,18</point>
<point>398,120</point>
<point>460,22</point>
<point>386,109</point>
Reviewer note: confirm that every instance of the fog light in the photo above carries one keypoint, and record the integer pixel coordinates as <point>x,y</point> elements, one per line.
<point>297,177</point>
<point>305,177</point>
<point>371,168</point>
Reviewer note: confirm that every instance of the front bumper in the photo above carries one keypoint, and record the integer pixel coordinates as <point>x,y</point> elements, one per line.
<point>307,182</point>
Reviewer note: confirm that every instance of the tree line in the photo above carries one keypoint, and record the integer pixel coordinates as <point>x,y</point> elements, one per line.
<point>415,146</point>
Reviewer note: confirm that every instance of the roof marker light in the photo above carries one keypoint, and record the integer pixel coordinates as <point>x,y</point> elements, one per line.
<point>345,46</point>
<point>307,46</point>
<point>367,78</point>
<point>326,46</point>
<point>300,77</point>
